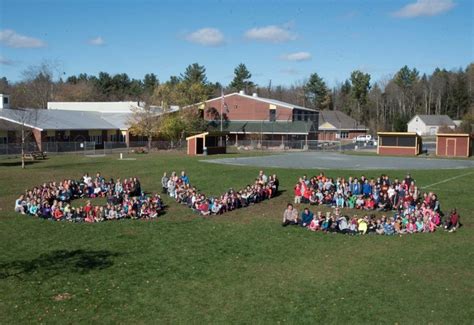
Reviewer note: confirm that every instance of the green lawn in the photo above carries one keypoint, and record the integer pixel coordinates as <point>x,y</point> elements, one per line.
<point>242,267</point>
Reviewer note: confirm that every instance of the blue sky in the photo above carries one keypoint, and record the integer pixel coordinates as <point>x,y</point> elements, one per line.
<point>282,41</point>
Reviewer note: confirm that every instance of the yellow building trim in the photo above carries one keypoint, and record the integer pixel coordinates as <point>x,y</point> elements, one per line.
<point>453,134</point>
<point>94,132</point>
<point>398,133</point>
<point>200,135</point>
<point>327,125</point>
<point>398,147</point>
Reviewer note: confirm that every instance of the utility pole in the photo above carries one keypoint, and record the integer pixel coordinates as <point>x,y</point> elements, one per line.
<point>222,105</point>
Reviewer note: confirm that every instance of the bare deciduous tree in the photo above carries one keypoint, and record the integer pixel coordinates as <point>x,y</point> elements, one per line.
<point>38,85</point>
<point>27,119</point>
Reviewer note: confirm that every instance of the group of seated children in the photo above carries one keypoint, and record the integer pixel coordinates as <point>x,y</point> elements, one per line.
<point>125,199</point>
<point>382,193</point>
<point>179,188</point>
<point>408,223</point>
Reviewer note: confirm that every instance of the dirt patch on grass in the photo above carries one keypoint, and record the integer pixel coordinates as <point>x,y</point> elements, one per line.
<point>62,296</point>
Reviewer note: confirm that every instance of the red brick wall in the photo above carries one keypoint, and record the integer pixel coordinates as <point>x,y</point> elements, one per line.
<point>192,147</point>
<point>327,136</point>
<point>397,151</point>
<point>453,146</point>
<point>246,109</point>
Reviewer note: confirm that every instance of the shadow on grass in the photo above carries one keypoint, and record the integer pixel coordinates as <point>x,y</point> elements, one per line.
<point>279,192</point>
<point>59,262</point>
<point>17,163</point>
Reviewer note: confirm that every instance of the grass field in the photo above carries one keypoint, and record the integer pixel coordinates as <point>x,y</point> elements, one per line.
<point>242,267</point>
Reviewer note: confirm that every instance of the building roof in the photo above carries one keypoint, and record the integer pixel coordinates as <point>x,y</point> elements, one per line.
<point>337,120</point>
<point>204,134</point>
<point>438,120</point>
<point>43,119</point>
<point>56,119</point>
<point>119,120</point>
<point>265,100</point>
<point>297,127</point>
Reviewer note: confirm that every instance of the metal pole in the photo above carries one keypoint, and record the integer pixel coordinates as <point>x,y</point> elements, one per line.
<point>222,104</point>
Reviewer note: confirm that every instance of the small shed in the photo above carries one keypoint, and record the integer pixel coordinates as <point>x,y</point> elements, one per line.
<point>210,143</point>
<point>453,144</point>
<point>399,143</point>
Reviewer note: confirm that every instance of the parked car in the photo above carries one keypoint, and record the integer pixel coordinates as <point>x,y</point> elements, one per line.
<point>362,138</point>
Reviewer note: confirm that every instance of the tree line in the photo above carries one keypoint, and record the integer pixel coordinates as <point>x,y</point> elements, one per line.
<point>385,104</point>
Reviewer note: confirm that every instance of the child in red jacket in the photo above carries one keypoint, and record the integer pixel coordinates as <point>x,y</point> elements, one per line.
<point>298,193</point>
<point>453,222</point>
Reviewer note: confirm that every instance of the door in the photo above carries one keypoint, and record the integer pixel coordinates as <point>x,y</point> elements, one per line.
<point>450,147</point>
<point>199,146</point>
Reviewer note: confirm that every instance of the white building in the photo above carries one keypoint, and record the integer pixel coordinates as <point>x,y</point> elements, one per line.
<point>4,101</point>
<point>102,107</point>
<point>429,124</point>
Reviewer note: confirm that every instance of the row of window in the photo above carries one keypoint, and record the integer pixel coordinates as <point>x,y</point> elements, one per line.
<point>342,135</point>
<point>93,138</point>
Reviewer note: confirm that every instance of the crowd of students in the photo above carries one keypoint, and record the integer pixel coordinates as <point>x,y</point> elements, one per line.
<point>125,199</point>
<point>398,224</point>
<point>413,210</point>
<point>382,193</point>
<point>179,187</point>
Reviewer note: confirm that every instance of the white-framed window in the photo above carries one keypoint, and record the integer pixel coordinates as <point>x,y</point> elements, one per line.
<point>344,135</point>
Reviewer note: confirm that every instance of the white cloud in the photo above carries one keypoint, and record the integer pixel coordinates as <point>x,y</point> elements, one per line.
<point>297,56</point>
<point>271,33</point>
<point>207,37</point>
<point>12,39</point>
<point>5,61</point>
<point>97,41</point>
<point>424,8</point>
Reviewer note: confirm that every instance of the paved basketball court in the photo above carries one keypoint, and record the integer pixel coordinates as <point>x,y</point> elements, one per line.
<point>321,160</point>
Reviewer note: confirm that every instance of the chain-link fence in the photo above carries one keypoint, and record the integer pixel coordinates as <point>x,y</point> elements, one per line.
<point>285,145</point>
<point>90,148</point>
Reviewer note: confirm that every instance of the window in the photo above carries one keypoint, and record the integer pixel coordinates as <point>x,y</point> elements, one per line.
<point>406,141</point>
<point>96,138</point>
<point>211,141</point>
<point>344,135</point>
<point>117,138</point>
<point>398,141</point>
<point>5,100</point>
<point>272,115</point>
